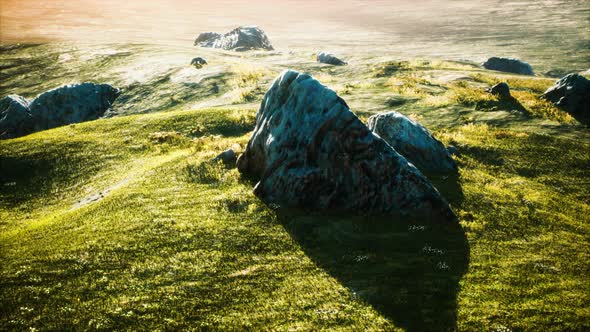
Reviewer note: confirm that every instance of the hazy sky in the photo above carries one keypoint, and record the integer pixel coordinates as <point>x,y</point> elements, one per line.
<point>169,20</point>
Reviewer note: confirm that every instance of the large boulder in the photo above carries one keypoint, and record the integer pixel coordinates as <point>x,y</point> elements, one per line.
<point>308,150</point>
<point>15,118</point>
<point>413,141</point>
<point>240,39</point>
<point>329,58</point>
<point>509,65</point>
<point>72,104</point>
<point>572,93</point>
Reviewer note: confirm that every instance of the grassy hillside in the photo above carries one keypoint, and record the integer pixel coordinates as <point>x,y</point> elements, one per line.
<point>122,223</point>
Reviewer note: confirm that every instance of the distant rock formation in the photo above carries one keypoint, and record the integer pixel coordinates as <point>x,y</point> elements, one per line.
<point>198,62</point>
<point>413,141</point>
<point>308,150</point>
<point>501,89</point>
<point>240,39</point>
<point>54,108</point>
<point>572,93</point>
<point>15,118</point>
<point>509,65</point>
<point>330,59</point>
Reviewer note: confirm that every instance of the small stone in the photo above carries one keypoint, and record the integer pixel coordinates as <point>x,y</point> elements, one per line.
<point>198,62</point>
<point>228,157</point>
<point>330,59</point>
<point>453,151</point>
<point>501,89</point>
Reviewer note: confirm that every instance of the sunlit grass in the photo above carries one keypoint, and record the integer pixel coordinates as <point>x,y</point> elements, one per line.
<point>246,82</point>
<point>179,242</point>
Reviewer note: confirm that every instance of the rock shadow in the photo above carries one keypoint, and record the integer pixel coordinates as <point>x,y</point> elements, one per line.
<point>407,270</point>
<point>509,104</point>
<point>449,187</point>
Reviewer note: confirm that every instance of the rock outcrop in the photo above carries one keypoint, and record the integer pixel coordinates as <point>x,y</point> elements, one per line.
<point>198,62</point>
<point>509,65</point>
<point>501,89</point>
<point>413,141</point>
<point>240,39</point>
<point>330,59</point>
<point>572,93</point>
<point>308,150</point>
<point>15,118</point>
<point>54,108</point>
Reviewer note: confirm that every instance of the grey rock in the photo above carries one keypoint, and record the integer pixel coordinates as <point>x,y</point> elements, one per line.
<point>243,38</point>
<point>329,58</point>
<point>509,65</point>
<point>198,62</point>
<point>308,150</point>
<point>413,141</point>
<point>228,157</point>
<point>453,150</point>
<point>206,36</point>
<point>572,93</point>
<point>501,89</point>
<point>72,104</point>
<point>15,118</point>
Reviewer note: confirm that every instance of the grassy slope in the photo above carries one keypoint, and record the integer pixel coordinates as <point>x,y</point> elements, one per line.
<point>106,225</point>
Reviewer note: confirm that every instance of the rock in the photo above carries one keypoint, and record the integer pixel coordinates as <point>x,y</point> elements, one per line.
<point>228,157</point>
<point>308,150</point>
<point>72,104</point>
<point>412,141</point>
<point>240,39</point>
<point>453,151</point>
<point>198,62</point>
<point>206,36</point>
<point>501,89</point>
<point>15,118</point>
<point>328,58</point>
<point>572,93</point>
<point>509,65</point>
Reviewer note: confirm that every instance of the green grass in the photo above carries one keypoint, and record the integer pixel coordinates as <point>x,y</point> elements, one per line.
<point>175,242</point>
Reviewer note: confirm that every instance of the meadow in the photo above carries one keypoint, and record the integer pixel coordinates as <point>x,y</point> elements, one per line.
<point>124,223</point>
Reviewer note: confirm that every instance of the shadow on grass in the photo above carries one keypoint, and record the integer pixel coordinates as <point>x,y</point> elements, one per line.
<point>449,187</point>
<point>502,104</point>
<point>30,175</point>
<point>409,271</point>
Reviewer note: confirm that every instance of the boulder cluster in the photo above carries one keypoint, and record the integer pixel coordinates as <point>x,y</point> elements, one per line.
<point>309,150</point>
<point>54,108</point>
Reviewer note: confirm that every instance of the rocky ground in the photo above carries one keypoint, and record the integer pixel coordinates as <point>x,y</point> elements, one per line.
<point>124,223</point>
